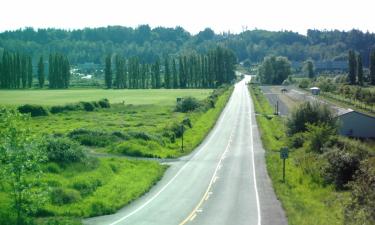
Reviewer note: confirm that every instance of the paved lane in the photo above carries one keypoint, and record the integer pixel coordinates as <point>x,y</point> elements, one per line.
<point>223,181</point>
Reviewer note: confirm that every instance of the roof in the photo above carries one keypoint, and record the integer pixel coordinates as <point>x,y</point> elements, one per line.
<point>314,88</point>
<point>344,112</point>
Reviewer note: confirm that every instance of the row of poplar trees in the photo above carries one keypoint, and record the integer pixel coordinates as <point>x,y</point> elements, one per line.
<point>355,74</point>
<point>16,71</point>
<point>58,71</point>
<point>188,71</point>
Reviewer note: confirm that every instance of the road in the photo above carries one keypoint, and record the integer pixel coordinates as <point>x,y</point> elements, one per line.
<point>223,182</point>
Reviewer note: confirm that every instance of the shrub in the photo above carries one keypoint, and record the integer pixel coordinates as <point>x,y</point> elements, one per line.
<point>297,140</point>
<point>88,106</point>
<point>304,83</point>
<point>343,161</point>
<point>317,136</point>
<point>187,104</point>
<point>86,186</point>
<point>93,137</point>
<point>61,196</point>
<point>34,110</point>
<point>99,208</point>
<point>63,150</point>
<point>360,208</point>
<point>56,109</point>
<point>309,113</point>
<point>104,103</point>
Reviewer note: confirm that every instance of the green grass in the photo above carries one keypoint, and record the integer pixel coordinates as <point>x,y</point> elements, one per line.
<point>153,119</point>
<point>137,129</point>
<point>90,189</point>
<point>305,201</point>
<point>136,97</point>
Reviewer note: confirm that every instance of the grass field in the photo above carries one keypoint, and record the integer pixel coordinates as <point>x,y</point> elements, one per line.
<point>305,201</point>
<point>60,97</point>
<point>141,127</point>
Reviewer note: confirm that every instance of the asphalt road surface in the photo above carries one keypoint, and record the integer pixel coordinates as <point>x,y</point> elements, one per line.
<point>223,182</point>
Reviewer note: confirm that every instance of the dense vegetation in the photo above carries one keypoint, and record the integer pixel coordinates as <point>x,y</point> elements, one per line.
<point>92,44</point>
<point>193,71</point>
<point>274,70</point>
<point>63,176</point>
<point>321,169</point>
<point>15,70</point>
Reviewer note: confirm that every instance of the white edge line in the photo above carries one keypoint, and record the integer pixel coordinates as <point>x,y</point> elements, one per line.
<point>253,161</point>
<point>226,109</point>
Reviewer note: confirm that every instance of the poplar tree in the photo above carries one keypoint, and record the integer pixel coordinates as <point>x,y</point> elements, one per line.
<point>175,75</point>
<point>108,72</point>
<point>41,72</point>
<point>359,70</point>
<point>29,72</point>
<point>167,74</point>
<point>372,67</point>
<point>352,67</point>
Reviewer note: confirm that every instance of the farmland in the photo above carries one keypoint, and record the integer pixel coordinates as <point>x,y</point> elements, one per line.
<point>142,126</point>
<point>135,97</point>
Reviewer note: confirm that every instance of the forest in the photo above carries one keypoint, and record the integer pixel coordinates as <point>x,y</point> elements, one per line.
<point>149,44</point>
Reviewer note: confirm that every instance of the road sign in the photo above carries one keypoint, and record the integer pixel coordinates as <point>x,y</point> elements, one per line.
<point>284,153</point>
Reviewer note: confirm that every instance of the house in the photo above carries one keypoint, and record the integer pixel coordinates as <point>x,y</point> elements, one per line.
<point>315,90</point>
<point>356,124</point>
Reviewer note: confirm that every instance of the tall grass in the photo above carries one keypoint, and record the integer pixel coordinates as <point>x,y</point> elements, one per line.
<point>305,201</point>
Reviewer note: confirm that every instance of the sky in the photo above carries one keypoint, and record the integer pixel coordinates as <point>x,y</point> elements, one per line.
<point>193,15</point>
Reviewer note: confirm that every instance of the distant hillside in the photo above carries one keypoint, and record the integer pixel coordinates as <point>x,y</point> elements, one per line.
<point>92,44</point>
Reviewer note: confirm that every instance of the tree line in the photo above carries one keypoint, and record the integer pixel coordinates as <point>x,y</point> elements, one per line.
<point>251,46</point>
<point>186,71</point>
<point>355,73</point>
<point>15,70</point>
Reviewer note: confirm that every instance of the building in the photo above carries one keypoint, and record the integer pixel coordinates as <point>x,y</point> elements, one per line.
<point>315,90</point>
<point>356,124</point>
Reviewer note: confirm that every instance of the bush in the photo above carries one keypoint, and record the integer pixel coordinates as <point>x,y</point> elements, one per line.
<point>310,113</point>
<point>360,208</point>
<point>61,196</point>
<point>343,161</point>
<point>187,104</point>
<point>63,150</point>
<point>86,186</point>
<point>93,137</point>
<point>317,136</point>
<point>304,83</point>
<point>104,103</point>
<point>34,110</point>
<point>57,109</point>
<point>133,149</point>
<point>88,106</point>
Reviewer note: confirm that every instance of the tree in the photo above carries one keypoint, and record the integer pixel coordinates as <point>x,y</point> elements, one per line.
<point>359,70</point>
<point>167,74</point>
<point>274,70</point>
<point>309,68</point>
<point>29,66</point>
<point>41,72</point>
<point>372,67</point>
<point>309,113</point>
<point>20,158</point>
<point>175,75</point>
<point>108,72</point>
<point>352,60</point>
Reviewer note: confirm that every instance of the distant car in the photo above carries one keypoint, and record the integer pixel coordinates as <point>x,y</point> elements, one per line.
<point>284,90</point>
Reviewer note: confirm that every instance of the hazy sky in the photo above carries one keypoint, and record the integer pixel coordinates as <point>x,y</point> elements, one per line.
<point>193,15</point>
